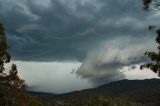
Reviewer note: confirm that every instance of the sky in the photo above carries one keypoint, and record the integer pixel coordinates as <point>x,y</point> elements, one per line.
<point>66,45</point>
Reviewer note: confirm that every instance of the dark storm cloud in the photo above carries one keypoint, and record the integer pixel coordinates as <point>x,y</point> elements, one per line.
<point>78,30</point>
<point>66,30</point>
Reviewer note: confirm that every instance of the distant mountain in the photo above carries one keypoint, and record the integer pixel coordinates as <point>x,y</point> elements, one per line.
<point>123,92</point>
<point>119,87</point>
<point>123,86</point>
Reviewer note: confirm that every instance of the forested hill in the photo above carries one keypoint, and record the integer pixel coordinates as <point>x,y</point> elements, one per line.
<point>122,93</point>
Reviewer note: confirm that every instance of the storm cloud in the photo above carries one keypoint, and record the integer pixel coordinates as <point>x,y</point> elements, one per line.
<point>104,35</point>
<point>60,30</point>
<point>105,65</point>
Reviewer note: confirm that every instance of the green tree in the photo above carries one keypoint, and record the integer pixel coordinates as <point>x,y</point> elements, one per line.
<point>8,77</point>
<point>151,4</point>
<point>154,65</point>
<point>155,57</point>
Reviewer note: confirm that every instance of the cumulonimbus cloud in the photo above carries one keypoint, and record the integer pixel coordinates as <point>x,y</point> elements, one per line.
<point>104,65</point>
<point>69,30</point>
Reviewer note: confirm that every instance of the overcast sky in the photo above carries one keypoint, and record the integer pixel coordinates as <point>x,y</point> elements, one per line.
<point>66,45</point>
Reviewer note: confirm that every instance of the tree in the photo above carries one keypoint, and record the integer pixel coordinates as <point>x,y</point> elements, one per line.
<point>151,4</point>
<point>154,56</point>
<point>8,77</point>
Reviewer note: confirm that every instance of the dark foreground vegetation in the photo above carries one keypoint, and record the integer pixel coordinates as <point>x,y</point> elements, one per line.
<point>10,96</point>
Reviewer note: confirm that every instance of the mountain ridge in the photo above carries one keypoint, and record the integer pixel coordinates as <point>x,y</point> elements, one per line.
<point>114,83</point>
<point>122,93</point>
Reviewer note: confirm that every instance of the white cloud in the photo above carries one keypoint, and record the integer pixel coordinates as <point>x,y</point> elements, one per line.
<point>103,65</point>
<point>137,73</point>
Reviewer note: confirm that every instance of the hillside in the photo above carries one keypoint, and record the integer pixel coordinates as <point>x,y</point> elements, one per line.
<point>10,96</point>
<point>119,93</point>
